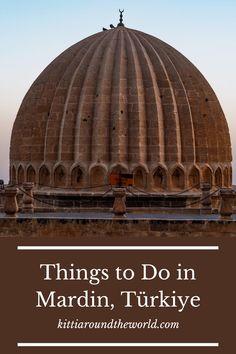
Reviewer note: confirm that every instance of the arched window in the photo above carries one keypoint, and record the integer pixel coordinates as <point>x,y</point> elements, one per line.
<point>218,177</point>
<point>160,178</point>
<point>178,178</point>
<point>194,177</point>
<point>31,175</point>
<point>60,177</point>
<point>97,176</point>
<point>226,177</point>
<point>44,177</point>
<point>207,175</point>
<point>119,169</point>
<point>13,175</point>
<point>77,178</point>
<point>140,177</point>
<point>21,175</point>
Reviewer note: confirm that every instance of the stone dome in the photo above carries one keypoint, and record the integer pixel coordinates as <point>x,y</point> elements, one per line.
<point>121,100</point>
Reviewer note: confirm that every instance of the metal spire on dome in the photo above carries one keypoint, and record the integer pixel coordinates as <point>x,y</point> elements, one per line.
<point>121,18</point>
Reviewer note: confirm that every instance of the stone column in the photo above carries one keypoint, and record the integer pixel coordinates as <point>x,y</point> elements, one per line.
<point>206,198</point>
<point>119,206</point>
<point>10,204</point>
<point>28,201</point>
<point>226,203</point>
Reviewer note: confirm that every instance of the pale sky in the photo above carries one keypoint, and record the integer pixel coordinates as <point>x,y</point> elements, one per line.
<point>33,33</point>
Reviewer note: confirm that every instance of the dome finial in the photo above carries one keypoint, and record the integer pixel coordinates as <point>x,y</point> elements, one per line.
<point>121,18</point>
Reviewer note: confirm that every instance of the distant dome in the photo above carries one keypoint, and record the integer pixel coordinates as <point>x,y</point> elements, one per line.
<point>121,100</point>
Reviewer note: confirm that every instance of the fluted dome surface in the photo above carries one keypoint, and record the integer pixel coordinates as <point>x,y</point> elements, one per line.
<point>121,99</point>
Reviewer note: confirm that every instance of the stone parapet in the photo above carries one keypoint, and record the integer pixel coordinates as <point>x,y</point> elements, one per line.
<point>105,225</point>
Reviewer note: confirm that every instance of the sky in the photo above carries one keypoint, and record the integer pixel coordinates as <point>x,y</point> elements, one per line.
<point>33,33</point>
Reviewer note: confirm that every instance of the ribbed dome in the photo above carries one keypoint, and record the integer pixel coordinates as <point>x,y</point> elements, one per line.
<point>121,99</point>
